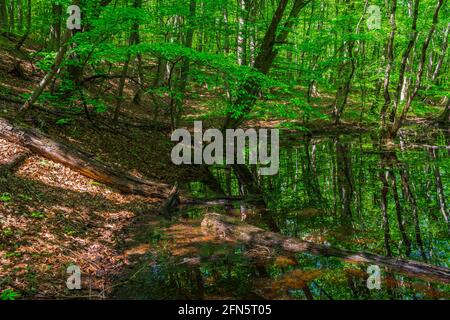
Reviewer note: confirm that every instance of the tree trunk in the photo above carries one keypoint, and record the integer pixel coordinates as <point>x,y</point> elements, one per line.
<point>241,36</point>
<point>226,227</point>
<point>389,66</point>
<point>14,163</point>
<point>79,161</point>
<point>19,15</point>
<point>140,72</point>
<point>119,99</point>
<point>3,15</point>
<point>12,22</point>
<point>55,28</point>
<point>28,27</point>
<point>185,67</point>
<point>392,132</point>
<point>50,75</point>
<point>402,84</point>
<point>247,93</point>
<point>442,54</point>
<point>347,69</point>
<point>264,61</point>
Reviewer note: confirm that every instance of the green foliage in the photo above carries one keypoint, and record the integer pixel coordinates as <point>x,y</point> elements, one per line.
<point>37,215</point>
<point>63,121</point>
<point>5,197</point>
<point>9,294</point>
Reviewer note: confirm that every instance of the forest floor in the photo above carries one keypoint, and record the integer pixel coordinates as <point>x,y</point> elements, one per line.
<point>52,217</point>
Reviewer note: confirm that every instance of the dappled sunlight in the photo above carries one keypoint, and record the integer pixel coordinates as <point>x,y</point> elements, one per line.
<point>54,217</point>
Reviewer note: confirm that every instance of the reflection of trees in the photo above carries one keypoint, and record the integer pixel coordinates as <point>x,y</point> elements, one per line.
<point>399,211</point>
<point>389,162</point>
<point>310,177</point>
<point>439,187</point>
<point>344,180</point>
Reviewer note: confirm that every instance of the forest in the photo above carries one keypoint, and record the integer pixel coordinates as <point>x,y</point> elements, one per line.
<point>349,202</point>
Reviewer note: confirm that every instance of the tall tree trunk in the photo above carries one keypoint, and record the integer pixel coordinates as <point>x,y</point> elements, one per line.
<point>392,131</point>
<point>241,36</point>
<point>140,72</point>
<point>403,65</point>
<point>248,91</point>
<point>389,65</point>
<point>347,69</point>
<point>12,13</point>
<point>121,87</point>
<point>55,28</point>
<point>28,27</point>
<point>185,68</point>
<point>442,54</point>
<point>50,75</point>
<point>3,15</point>
<point>268,52</point>
<point>19,15</point>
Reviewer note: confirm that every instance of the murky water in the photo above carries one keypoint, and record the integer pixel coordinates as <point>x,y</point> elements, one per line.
<point>340,191</point>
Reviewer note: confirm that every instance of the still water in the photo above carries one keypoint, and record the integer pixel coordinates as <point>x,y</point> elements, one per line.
<point>341,191</point>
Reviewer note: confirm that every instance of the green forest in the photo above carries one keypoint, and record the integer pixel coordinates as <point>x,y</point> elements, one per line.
<point>120,177</point>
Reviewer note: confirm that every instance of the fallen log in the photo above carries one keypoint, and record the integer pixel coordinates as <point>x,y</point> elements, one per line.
<point>171,203</point>
<point>80,161</point>
<point>219,201</point>
<point>14,163</point>
<point>227,227</point>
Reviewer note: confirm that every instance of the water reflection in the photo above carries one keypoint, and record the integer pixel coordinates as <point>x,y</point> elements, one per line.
<point>345,192</point>
<point>342,191</point>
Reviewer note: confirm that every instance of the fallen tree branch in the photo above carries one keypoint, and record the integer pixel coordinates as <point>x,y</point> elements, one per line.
<point>15,163</point>
<point>80,161</point>
<point>172,201</point>
<point>220,201</point>
<point>227,227</point>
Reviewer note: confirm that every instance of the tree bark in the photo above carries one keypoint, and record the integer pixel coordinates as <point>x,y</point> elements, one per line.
<point>264,61</point>
<point>226,227</point>
<point>3,15</point>
<point>14,163</point>
<point>241,50</point>
<point>389,65</point>
<point>79,161</point>
<point>123,78</point>
<point>442,54</point>
<point>28,27</point>
<point>12,17</point>
<point>399,119</point>
<point>185,67</point>
<point>55,28</point>
<point>140,72</point>
<point>401,80</point>
<point>50,75</point>
<point>347,69</point>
